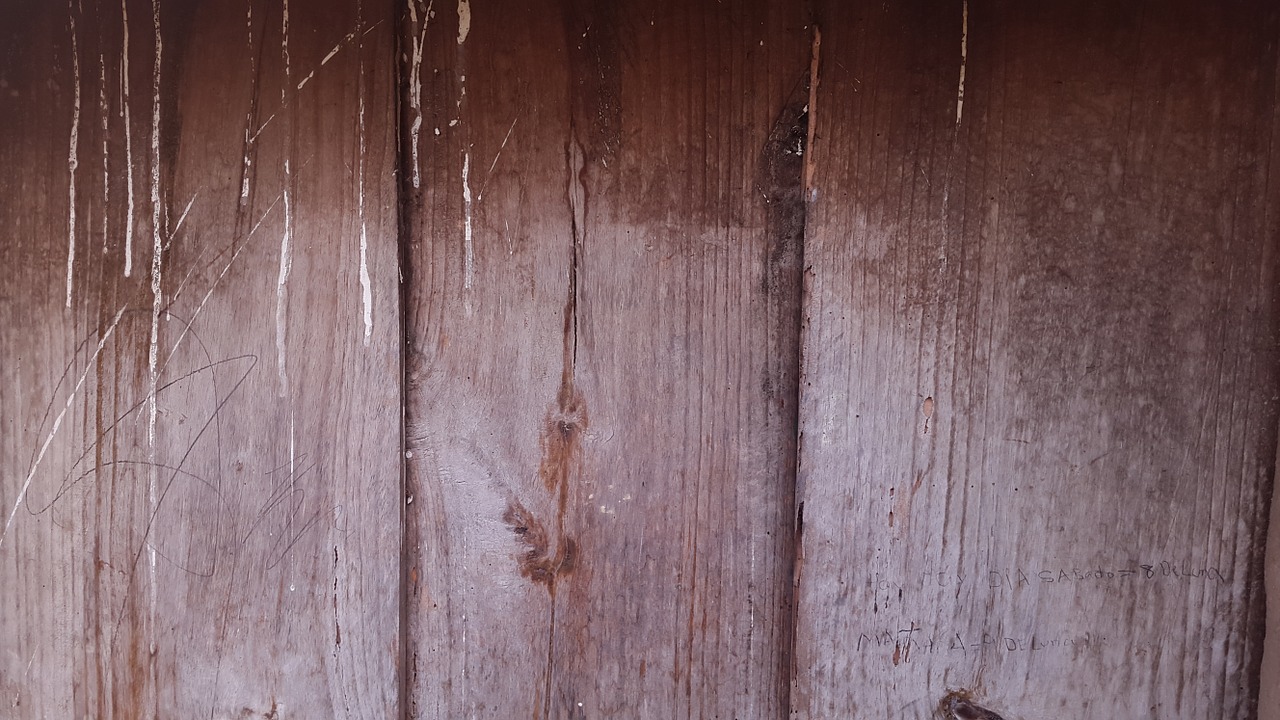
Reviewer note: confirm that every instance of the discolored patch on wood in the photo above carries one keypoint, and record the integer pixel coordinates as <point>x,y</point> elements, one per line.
<point>560,437</point>
<point>959,705</point>
<point>537,563</point>
<point>780,179</point>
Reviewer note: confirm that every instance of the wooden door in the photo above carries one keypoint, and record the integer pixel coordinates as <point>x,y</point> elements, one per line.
<point>572,359</point>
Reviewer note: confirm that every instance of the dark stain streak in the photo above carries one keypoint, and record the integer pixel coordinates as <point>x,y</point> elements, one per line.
<point>780,183</point>
<point>780,180</point>
<point>959,705</point>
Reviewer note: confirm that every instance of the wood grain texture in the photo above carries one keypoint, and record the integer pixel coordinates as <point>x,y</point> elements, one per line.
<point>1038,396</point>
<point>200,475</point>
<point>1269,673</point>
<point>603,287</point>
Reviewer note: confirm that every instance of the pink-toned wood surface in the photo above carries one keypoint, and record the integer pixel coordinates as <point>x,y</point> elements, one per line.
<point>200,378</point>
<point>602,299</point>
<point>1038,400</point>
<point>576,359</point>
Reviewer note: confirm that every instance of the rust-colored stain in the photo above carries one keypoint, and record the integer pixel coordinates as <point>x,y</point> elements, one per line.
<point>560,440</point>
<point>561,435</point>
<point>538,563</point>
<point>561,432</point>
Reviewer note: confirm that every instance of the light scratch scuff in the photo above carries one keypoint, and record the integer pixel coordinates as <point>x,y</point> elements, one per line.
<point>57,421</point>
<point>492,165</point>
<point>181,219</point>
<point>254,138</point>
<point>214,285</point>
<point>964,57</point>
<point>73,157</point>
<point>336,49</point>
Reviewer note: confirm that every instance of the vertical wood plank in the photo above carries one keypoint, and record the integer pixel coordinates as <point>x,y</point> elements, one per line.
<point>201,365</point>
<point>603,285</point>
<point>1269,673</point>
<point>1038,392</point>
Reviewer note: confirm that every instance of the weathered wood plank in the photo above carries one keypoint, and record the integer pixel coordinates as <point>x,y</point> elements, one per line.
<point>602,203</point>
<point>1038,393</point>
<point>200,377</point>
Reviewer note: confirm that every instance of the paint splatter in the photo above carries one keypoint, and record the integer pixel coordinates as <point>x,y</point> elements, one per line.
<point>415,85</point>
<point>468,266</point>
<point>282,284</point>
<point>157,296</point>
<point>464,20</point>
<point>73,157</point>
<point>366,285</point>
<point>128,139</point>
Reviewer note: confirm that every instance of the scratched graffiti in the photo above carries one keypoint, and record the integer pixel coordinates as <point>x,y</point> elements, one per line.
<point>159,479</point>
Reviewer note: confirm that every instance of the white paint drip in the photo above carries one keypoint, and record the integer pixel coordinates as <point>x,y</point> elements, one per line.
<point>248,25</point>
<point>415,85</point>
<point>293,473</point>
<point>464,20</point>
<point>128,139</point>
<point>282,284</point>
<point>73,158</point>
<point>247,162</point>
<point>106,149</point>
<point>286,242</point>
<point>248,119</point>
<point>57,422</point>
<point>284,48</point>
<point>157,296</point>
<point>964,57</point>
<point>366,285</point>
<point>468,266</point>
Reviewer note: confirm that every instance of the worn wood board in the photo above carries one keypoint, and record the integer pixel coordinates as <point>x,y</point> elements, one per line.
<point>1038,397</point>
<point>602,204</point>
<point>200,384</point>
